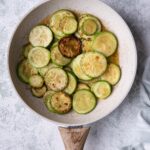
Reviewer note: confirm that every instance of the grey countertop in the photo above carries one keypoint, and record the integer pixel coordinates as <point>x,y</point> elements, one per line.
<point>20,129</point>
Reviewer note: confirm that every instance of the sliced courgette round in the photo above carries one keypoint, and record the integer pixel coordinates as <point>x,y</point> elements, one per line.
<point>56,79</point>
<point>70,46</point>
<point>39,92</point>
<point>112,74</point>
<point>25,70</point>
<point>36,81</point>
<point>41,36</point>
<point>89,25</point>
<point>105,42</point>
<point>26,49</point>
<point>42,71</point>
<point>58,58</point>
<point>69,25</point>
<point>76,67</point>
<point>39,57</point>
<point>72,84</point>
<point>84,101</point>
<point>56,23</point>
<point>101,89</point>
<point>93,64</point>
<point>61,102</point>
<point>47,100</point>
<point>87,45</point>
<point>82,86</point>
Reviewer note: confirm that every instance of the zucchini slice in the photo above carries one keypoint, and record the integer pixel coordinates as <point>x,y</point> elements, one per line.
<point>47,100</point>
<point>69,25</point>
<point>112,74</point>
<point>72,84</point>
<point>56,23</point>
<point>82,86</point>
<point>39,92</point>
<point>36,81</point>
<point>84,101</point>
<point>58,58</point>
<point>25,70</point>
<point>89,25</point>
<point>61,102</point>
<point>39,57</point>
<point>87,45</point>
<point>41,36</point>
<point>70,46</point>
<point>42,71</point>
<point>105,42</point>
<point>26,49</point>
<point>76,67</point>
<point>101,89</point>
<point>93,64</point>
<point>56,79</point>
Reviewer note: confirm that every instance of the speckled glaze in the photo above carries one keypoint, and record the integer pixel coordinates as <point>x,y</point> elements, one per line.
<point>127,58</point>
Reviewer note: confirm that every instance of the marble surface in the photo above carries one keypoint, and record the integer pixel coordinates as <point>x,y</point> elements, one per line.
<point>20,129</point>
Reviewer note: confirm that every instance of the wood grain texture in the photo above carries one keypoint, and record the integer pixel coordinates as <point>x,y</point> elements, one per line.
<point>74,138</point>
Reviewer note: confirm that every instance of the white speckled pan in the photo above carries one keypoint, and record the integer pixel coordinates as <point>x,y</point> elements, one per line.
<point>127,57</point>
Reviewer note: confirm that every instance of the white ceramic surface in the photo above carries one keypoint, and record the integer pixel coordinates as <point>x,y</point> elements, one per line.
<point>127,57</point>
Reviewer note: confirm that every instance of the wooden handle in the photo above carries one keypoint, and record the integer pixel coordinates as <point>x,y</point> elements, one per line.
<point>74,138</point>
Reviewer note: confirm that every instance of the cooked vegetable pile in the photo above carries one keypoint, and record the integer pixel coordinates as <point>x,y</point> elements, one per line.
<point>68,62</point>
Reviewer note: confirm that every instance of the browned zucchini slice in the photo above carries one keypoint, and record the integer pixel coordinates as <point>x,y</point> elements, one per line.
<point>70,46</point>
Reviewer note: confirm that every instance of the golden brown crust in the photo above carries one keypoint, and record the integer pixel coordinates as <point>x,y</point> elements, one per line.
<point>70,46</point>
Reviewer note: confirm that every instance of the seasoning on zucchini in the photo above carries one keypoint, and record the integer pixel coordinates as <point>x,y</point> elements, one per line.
<point>101,89</point>
<point>36,81</point>
<point>56,79</point>
<point>61,102</point>
<point>93,64</point>
<point>70,46</point>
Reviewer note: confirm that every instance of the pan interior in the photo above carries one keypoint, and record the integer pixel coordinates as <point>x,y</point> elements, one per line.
<point>127,57</point>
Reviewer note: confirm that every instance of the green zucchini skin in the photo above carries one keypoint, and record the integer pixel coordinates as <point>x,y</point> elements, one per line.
<point>41,36</point>
<point>105,42</point>
<point>76,67</point>
<point>61,102</point>
<point>72,84</point>
<point>112,74</point>
<point>93,64</point>
<point>58,58</point>
<point>81,33</point>
<point>56,22</point>
<point>101,89</point>
<point>39,92</point>
<point>56,79</point>
<point>84,101</point>
<point>47,101</point>
<point>25,70</point>
<point>36,81</point>
<point>39,57</point>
